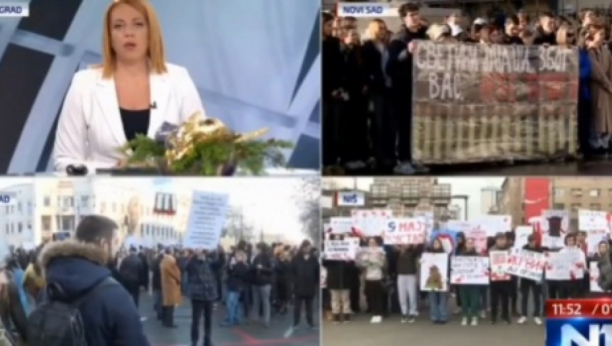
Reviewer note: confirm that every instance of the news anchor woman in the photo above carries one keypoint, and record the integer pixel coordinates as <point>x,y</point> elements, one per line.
<point>133,92</point>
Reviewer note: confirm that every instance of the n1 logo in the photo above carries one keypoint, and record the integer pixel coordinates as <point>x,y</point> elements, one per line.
<point>596,333</point>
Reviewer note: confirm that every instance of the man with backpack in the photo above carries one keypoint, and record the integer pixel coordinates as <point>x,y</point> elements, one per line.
<point>82,304</point>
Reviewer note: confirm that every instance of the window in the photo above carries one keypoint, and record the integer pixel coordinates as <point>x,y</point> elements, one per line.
<point>576,192</point>
<point>19,207</point>
<point>46,223</point>
<point>595,206</point>
<point>19,227</point>
<point>47,201</point>
<point>559,192</point>
<point>576,206</point>
<point>594,192</point>
<point>559,206</point>
<point>84,201</point>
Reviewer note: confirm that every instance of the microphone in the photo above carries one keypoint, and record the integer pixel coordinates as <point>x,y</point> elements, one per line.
<point>153,105</point>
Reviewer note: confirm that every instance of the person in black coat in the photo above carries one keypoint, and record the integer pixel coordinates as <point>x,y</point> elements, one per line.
<point>305,277</point>
<point>375,55</point>
<point>333,66</point>
<point>156,285</point>
<point>399,68</point>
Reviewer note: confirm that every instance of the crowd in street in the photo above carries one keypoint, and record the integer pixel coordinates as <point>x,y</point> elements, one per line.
<point>389,282</point>
<point>368,80</point>
<point>86,290</point>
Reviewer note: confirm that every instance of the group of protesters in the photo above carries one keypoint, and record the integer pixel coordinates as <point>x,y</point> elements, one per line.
<point>368,80</point>
<point>389,278</point>
<point>95,282</point>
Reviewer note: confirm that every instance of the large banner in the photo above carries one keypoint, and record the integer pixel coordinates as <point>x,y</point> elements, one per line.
<point>477,103</point>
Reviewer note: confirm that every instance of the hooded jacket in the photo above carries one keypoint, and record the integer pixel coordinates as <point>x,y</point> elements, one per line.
<point>109,316</point>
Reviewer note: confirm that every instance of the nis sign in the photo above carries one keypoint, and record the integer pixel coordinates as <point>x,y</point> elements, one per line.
<point>350,199</point>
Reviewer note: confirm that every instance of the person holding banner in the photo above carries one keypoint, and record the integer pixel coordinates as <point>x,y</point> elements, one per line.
<point>338,284</point>
<point>535,287</point>
<point>373,261</point>
<point>470,294</point>
<point>407,280</point>
<point>501,290</point>
<point>203,292</point>
<point>601,257</point>
<point>571,288</point>
<point>438,300</point>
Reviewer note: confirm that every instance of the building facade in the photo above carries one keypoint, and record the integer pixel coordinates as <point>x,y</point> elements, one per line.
<point>403,196</point>
<point>561,193</point>
<point>49,206</point>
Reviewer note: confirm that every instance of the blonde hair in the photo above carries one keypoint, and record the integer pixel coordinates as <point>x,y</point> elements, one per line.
<point>156,53</point>
<point>374,28</point>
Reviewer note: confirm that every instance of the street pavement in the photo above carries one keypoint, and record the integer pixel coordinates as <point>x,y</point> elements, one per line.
<point>278,334</point>
<point>590,168</point>
<point>391,332</point>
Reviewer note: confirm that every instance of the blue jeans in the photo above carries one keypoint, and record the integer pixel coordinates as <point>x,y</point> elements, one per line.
<point>233,307</point>
<point>438,302</point>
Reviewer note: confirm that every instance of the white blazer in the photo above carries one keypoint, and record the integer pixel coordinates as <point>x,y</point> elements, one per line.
<point>90,129</point>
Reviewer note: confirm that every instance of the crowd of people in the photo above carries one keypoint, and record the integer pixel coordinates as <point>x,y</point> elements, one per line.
<point>368,80</point>
<point>86,290</point>
<point>389,282</point>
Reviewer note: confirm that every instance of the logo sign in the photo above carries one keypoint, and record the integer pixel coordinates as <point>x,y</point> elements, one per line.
<point>578,332</point>
<point>365,9</point>
<point>350,199</point>
<point>14,9</point>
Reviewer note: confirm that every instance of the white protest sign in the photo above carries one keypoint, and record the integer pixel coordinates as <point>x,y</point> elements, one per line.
<point>593,220</point>
<point>371,223</point>
<point>494,224</point>
<point>341,250</point>
<point>499,265</point>
<point>206,220</point>
<point>469,270</point>
<point>521,233</point>
<point>565,265</point>
<point>403,231</point>
<point>594,277</point>
<point>434,272</point>
<point>526,264</point>
<point>340,225</point>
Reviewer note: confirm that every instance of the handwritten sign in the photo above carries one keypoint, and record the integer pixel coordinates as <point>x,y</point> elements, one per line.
<point>526,264</point>
<point>476,103</point>
<point>405,231</point>
<point>206,220</point>
<point>469,270</point>
<point>341,250</point>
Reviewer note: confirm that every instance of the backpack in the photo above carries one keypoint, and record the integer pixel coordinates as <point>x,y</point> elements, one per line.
<point>6,339</point>
<point>59,323</point>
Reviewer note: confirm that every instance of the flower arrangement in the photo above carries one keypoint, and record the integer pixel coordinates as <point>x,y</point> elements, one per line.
<point>204,147</point>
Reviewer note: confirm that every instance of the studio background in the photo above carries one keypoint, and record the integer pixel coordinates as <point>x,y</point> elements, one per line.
<point>256,64</point>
